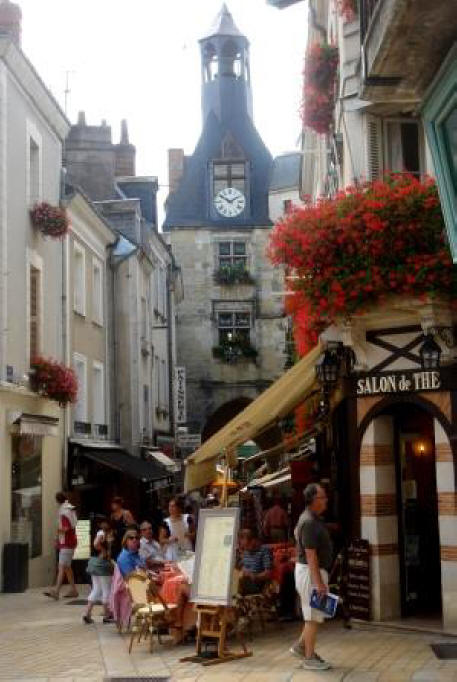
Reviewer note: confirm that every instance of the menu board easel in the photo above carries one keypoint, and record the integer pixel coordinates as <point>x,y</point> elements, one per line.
<point>358,579</point>
<point>212,583</point>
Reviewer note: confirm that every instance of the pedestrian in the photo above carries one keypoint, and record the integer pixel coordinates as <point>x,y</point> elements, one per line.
<point>100,569</point>
<point>120,520</point>
<point>276,522</point>
<point>314,559</point>
<point>66,545</point>
<point>181,526</point>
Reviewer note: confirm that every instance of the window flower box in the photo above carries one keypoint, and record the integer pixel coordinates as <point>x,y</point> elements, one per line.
<point>52,221</point>
<point>319,86</point>
<point>236,349</point>
<point>53,380</point>
<point>354,251</point>
<point>230,275</point>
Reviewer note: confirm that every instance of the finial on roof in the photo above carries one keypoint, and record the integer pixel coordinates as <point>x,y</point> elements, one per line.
<point>124,132</point>
<point>223,25</point>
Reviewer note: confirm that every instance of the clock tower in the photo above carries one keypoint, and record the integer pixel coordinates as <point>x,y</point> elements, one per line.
<point>230,328</point>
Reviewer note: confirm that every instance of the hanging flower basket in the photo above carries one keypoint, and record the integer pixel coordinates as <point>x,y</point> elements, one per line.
<point>53,380</point>
<point>232,351</point>
<point>319,84</point>
<point>355,250</point>
<point>52,221</point>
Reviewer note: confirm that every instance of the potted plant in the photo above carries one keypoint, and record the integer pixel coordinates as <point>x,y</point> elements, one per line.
<point>319,84</point>
<point>232,350</point>
<point>53,380</point>
<point>52,221</point>
<point>235,273</point>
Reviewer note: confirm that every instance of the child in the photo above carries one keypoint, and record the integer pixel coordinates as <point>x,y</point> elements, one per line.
<point>100,569</point>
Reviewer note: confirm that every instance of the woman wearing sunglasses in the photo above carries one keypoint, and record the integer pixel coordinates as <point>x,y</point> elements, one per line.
<point>129,559</point>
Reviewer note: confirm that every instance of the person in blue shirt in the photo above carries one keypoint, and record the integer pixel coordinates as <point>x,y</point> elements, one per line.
<point>129,559</point>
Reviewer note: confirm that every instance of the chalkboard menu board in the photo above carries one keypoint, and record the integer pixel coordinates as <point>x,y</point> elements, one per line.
<point>358,579</point>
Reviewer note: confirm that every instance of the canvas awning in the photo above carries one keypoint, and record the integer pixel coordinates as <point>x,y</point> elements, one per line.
<point>276,402</point>
<point>135,467</point>
<point>164,460</point>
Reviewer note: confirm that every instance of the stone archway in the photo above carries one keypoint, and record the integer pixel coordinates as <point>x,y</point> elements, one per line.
<point>379,507</point>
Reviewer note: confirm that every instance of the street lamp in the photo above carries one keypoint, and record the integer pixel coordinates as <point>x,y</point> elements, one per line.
<point>327,368</point>
<point>430,353</point>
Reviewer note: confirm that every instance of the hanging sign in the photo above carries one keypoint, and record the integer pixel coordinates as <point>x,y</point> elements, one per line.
<point>189,440</point>
<point>180,388</point>
<point>399,382</point>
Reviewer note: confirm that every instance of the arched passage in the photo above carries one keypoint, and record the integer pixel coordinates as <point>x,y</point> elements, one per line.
<point>231,409</point>
<point>408,506</point>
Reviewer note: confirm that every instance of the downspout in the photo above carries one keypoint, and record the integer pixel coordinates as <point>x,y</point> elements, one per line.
<point>65,334</point>
<point>115,412</point>
<point>171,402</point>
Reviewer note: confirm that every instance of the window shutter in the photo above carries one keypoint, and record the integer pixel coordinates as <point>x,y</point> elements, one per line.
<point>34,312</point>
<point>374,148</point>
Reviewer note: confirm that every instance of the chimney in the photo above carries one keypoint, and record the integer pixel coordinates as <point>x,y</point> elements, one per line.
<point>81,119</point>
<point>11,21</point>
<point>125,154</point>
<point>175,168</point>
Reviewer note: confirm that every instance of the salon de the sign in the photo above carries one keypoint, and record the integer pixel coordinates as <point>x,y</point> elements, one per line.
<point>399,382</point>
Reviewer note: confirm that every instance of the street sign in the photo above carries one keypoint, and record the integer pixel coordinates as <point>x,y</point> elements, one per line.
<point>180,391</point>
<point>189,440</point>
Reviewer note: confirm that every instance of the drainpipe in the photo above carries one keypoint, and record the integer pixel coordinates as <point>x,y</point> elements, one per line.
<point>116,413</point>
<point>171,402</point>
<point>65,335</point>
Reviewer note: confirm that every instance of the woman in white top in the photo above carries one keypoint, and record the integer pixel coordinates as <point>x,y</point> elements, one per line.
<point>181,527</point>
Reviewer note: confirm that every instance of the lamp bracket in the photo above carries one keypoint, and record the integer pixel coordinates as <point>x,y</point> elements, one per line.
<point>446,334</point>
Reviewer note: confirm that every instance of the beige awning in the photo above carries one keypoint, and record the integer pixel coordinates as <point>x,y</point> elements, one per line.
<point>36,425</point>
<point>277,401</point>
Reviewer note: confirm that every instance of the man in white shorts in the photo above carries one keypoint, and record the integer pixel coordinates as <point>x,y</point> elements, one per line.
<point>314,558</point>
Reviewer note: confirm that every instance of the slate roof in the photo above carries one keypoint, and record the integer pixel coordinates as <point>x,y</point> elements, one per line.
<point>286,172</point>
<point>223,25</point>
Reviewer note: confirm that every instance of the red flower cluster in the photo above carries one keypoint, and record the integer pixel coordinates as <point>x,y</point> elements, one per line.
<point>347,9</point>
<point>354,250</point>
<point>54,380</point>
<point>51,220</point>
<point>321,64</point>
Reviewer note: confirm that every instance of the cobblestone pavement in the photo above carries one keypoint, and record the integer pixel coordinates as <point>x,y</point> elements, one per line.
<point>45,641</point>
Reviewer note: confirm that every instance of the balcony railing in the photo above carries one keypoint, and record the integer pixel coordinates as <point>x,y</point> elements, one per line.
<point>367,9</point>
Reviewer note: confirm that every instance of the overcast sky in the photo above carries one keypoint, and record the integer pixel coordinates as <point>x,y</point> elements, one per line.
<point>140,60</point>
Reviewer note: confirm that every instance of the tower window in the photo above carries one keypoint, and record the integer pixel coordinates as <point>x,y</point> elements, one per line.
<point>232,253</point>
<point>210,63</point>
<point>229,175</point>
<point>234,326</point>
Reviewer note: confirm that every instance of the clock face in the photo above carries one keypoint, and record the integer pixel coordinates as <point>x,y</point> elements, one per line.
<point>230,202</point>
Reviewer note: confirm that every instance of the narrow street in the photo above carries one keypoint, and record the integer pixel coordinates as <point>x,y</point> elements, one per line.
<point>42,640</point>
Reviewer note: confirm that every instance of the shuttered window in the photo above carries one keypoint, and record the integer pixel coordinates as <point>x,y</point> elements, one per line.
<point>34,320</point>
<point>374,148</point>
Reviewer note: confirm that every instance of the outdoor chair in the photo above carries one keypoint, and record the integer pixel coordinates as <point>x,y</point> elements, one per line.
<point>150,614</point>
<point>261,606</point>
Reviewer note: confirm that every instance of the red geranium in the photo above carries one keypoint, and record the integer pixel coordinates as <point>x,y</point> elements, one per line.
<point>352,251</point>
<point>321,65</point>
<point>53,380</point>
<point>347,9</point>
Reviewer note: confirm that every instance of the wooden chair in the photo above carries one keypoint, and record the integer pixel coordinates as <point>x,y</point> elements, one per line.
<point>150,613</point>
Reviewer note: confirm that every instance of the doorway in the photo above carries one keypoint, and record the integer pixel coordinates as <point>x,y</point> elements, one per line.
<point>417,502</point>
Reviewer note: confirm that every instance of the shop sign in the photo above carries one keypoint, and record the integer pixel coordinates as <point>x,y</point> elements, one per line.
<point>189,440</point>
<point>399,382</point>
<point>180,388</point>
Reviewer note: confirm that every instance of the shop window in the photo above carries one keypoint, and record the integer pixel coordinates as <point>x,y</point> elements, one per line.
<point>234,326</point>
<point>229,175</point>
<point>97,291</point>
<point>26,493</point>
<point>232,253</point>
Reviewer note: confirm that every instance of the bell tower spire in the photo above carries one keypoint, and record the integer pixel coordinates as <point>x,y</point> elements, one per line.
<point>226,80</point>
